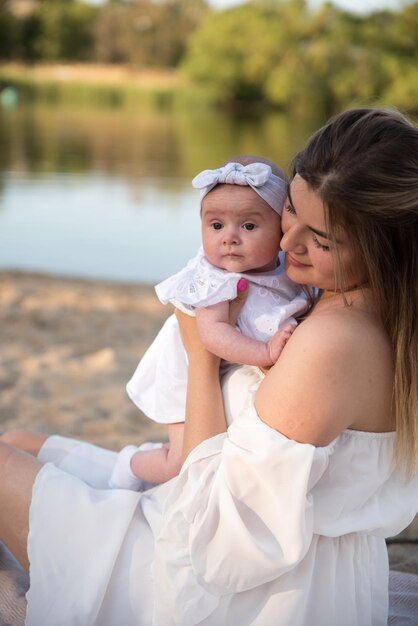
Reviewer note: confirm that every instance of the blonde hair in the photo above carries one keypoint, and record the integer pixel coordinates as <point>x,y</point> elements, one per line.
<point>364,166</point>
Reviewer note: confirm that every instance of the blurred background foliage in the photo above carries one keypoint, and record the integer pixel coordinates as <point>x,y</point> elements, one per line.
<point>278,54</point>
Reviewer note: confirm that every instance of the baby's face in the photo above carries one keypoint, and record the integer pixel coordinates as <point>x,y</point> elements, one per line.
<point>240,231</point>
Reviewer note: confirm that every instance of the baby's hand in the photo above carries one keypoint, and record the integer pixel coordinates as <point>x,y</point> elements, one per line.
<point>278,341</point>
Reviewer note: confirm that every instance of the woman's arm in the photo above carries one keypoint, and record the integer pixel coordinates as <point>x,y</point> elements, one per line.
<point>224,340</point>
<point>336,372</point>
<point>205,416</point>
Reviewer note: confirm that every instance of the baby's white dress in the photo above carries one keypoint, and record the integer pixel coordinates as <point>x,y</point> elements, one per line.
<point>158,385</point>
<point>256,530</point>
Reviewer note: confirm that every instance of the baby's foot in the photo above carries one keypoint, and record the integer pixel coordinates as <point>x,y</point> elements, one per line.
<point>122,476</point>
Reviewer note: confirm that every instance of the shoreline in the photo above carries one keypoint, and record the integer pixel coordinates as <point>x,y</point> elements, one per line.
<point>103,85</point>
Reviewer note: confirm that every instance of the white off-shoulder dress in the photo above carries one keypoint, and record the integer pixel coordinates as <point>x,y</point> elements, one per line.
<point>257,529</point>
<point>158,385</point>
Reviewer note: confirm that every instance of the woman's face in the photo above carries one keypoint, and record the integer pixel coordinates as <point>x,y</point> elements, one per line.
<point>310,253</point>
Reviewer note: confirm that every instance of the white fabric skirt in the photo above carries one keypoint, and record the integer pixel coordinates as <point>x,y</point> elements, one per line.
<point>102,558</point>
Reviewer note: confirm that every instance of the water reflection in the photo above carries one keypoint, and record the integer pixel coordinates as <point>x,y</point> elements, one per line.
<point>95,226</point>
<point>107,193</point>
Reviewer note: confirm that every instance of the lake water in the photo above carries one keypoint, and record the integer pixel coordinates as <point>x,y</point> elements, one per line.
<point>107,194</point>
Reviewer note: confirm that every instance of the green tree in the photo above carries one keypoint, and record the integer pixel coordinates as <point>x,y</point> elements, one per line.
<point>234,51</point>
<point>147,33</point>
<point>64,30</point>
<point>9,32</point>
<point>290,57</point>
<point>401,87</point>
<point>112,34</point>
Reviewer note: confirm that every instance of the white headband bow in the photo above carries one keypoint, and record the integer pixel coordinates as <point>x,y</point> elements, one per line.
<point>258,176</point>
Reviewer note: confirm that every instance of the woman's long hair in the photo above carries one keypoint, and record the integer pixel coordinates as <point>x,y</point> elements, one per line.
<point>364,166</point>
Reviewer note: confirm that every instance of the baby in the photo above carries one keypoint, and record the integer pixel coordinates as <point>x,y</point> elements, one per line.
<point>241,204</point>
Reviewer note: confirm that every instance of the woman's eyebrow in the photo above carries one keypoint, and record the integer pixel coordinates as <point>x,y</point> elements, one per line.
<point>321,233</point>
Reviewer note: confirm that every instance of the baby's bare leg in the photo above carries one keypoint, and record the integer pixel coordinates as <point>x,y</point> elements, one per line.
<point>24,440</point>
<point>18,471</point>
<point>150,464</point>
<point>160,465</point>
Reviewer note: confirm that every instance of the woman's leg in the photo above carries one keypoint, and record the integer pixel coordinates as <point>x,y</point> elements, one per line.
<point>18,472</point>
<point>24,440</point>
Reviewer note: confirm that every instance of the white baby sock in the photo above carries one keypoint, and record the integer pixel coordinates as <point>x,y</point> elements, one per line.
<point>122,476</point>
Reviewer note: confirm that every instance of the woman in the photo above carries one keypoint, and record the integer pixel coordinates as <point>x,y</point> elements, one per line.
<point>282,518</point>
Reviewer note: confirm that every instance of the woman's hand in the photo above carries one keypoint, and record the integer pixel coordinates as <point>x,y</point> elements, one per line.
<point>204,404</point>
<point>191,340</point>
<point>205,416</point>
<point>188,329</point>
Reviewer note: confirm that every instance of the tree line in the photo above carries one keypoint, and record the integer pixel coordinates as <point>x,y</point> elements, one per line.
<point>273,52</point>
<point>144,33</point>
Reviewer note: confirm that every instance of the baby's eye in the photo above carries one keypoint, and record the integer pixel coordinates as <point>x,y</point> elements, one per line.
<point>216,226</point>
<point>319,245</point>
<point>249,226</point>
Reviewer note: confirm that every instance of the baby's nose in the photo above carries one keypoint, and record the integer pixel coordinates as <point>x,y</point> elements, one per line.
<point>230,235</point>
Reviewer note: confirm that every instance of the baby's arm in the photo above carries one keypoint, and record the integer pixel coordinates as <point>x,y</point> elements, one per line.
<point>227,342</point>
<point>150,463</point>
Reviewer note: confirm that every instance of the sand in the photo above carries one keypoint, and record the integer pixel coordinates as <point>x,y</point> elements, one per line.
<point>68,350</point>
<point>69,346</point>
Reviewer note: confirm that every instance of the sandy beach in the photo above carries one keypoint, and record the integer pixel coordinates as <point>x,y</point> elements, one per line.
<point>69,346</point>
<point>68,349</point>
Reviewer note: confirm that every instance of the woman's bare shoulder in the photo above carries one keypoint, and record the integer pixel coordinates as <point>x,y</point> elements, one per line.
<point>336,372</point>
<point>344,324</point>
